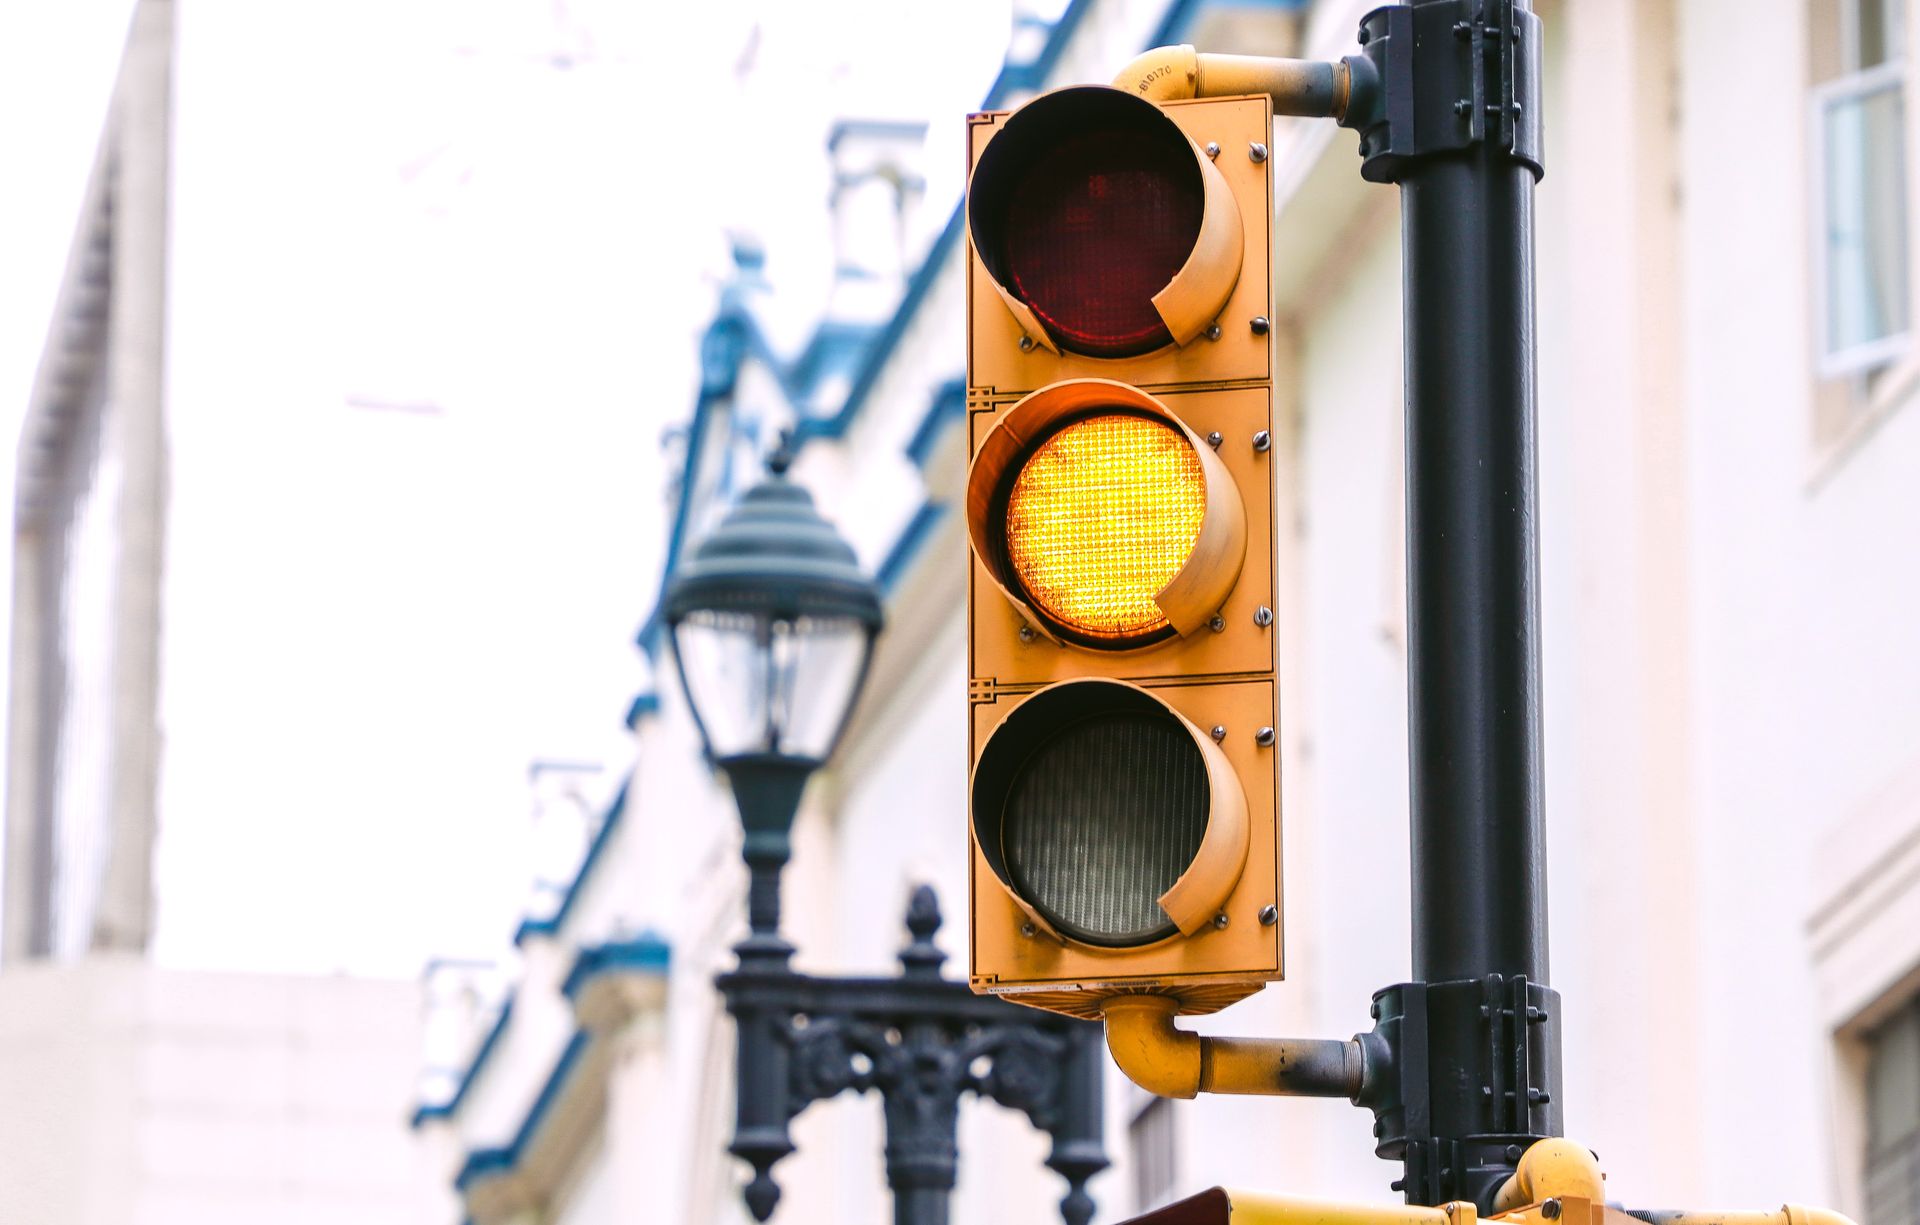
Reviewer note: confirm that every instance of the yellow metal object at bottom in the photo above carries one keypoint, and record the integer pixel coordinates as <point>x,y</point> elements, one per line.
<point>1219,1206</point>
<point>1557,1183</point>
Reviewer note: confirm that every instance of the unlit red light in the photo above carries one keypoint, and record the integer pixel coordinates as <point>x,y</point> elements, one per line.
<point>1101,518</point>
<point>1095,230</point>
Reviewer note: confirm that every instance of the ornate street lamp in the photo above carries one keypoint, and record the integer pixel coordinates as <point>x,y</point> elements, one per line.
<point>772,625</point>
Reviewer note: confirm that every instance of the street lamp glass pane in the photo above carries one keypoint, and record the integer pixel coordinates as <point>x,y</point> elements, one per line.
<point>1100,520</point>
<point>724,661</point>
<point>816,671</point>
<point>763,685</point>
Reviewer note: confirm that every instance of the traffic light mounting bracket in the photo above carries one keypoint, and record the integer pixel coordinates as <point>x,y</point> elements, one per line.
<point>1498,1035</point>
<point>1476,60</point>
<point>1502,1032</point>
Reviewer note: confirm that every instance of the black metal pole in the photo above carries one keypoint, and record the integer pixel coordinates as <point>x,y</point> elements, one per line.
<point>1451,114</point>
<point>1473,605</point>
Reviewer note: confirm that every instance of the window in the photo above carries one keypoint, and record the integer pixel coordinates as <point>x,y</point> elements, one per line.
<point>1155,1172</point>
<point>1893,1120</point>
<point>1860,199</point>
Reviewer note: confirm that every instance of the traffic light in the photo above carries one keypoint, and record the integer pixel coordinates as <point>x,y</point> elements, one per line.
<point>1120,506</point>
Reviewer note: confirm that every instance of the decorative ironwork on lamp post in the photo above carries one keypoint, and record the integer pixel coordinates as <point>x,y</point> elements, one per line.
<point>772,625</point>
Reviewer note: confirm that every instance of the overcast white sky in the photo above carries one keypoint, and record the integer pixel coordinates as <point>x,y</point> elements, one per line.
<point>349,834</point>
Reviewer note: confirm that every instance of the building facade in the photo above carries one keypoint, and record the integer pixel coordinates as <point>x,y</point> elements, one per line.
<point>1728,477</point>
<point>307,517</point>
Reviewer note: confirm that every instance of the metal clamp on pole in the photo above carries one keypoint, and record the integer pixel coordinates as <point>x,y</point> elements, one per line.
<point>1474,1082</point>
<point>1478,62</point>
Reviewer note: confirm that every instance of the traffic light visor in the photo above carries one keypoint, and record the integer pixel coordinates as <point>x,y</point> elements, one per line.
<point>1103,517</point>
<point>1106,231</point>
<point>1110,819</point>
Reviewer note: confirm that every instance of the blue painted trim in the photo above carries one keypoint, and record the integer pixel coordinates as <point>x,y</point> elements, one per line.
<point>649,635</point>
<point>730,339</point>
<point>872,127</point>
<point>1013,77</point>
<point>1178,19</point>
<point>835,346</point>
<point>448,1108</point>
<point>488,1162</point>
<point>529,928</point>
<point>1173,23</point>
<point>646,953</point>
<point>480,1163</point>
<point>875,359</point>
<point>601,837</point>
<point>949,404</point>
<point>912,539</point>
<point>643,704</point>
<point>1034,73</point>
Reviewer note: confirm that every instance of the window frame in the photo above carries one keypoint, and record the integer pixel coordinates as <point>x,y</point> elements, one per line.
<point>1166,1128</point>
<point>1903,1154</point>
<point>1869,356</point>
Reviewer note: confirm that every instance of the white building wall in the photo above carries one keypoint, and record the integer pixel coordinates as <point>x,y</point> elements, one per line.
<point>411,424</point>
<point>140,1096</point>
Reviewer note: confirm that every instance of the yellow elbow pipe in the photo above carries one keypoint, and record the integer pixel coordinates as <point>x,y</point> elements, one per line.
<point>1163,1059</point>
<point>1550,1169</point>
<point>1311,88</point>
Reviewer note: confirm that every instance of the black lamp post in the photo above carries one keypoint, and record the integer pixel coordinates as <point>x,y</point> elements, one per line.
<point>773,625</point>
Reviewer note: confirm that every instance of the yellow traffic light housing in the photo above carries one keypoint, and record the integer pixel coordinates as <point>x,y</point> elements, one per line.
<point>1120,508</point>
<point>1116,870</point>
<point>1105,229</point>
<point>1103,518</point>
<point>1111,235</point>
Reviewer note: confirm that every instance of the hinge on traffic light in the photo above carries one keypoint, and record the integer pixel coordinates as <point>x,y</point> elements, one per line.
<point>1460,1142</point>
<point>980,689</point>
<point>1446,77</point>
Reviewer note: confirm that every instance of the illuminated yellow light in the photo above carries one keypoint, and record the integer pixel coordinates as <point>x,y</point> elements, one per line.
<point>1101,518</point>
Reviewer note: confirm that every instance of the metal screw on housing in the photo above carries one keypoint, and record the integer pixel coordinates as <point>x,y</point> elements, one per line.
<point>1026,633</point>
<point>1263,616</point>
<point>1215,438</point>
<point>1257,151</point>
<point>1026,344</point>
<point>1260,325</point>
<point>1218,733</point>
<point>1262,440</point>
<point>1213,332</point>
<point>1269,915</point>
<point>1220,921</point>
<point>1213,149</point>
<point>1217,624</point>
<point>1264,737</point>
